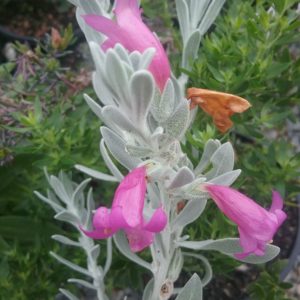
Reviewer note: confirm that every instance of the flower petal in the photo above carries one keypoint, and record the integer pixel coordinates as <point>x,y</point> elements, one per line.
<point>281,216</point>
<point>239,208</point>
<point>104,25</point>
<point>117,220</point>
<point>109,43</point>
<point>276,208</point>
<point>130,196</point>
<point>109,220</point>
<point>139,238</point>
<point>247,242</point>
<point>157,222</point>
<point>126,9</point>
<point>101,218</point>
<point>221,106</point>
<point>98,234</point>
<point>277,202</point>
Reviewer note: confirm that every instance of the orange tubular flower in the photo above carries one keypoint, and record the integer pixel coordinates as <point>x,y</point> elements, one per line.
<point>221,106</point>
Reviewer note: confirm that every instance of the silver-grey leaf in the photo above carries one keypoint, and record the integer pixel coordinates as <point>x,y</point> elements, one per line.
<point>177,124</point>
<point>119,119</point>
<point>208,270</point>
<point>209,149</point>
<point>210,15</point>
<point>226,179</point>
<point>65,240</point>
<point>146,58</point>
<point>182,177</point>
<point>163,104</point>
<point>148,290</point>
<point>96,174</point>
<point>142,92</point>
<point>70,264</point>
<point>116,146</point>
<point>197,10</point>
<point>77,197</point>
<point>68,217</point>
<point>68,294</point>
<point>117,77</point>
<point>230,246</point>
<point>94,106</point>
<point>90,206</point>
<point>57,208</point>
<point>192,211</point>
<point>59,189</point>
<point>190,50</point>
<point>183,18</point>
<point>222,161</point>
<point>139,151</point>
<point>109,163</point>
<point>176,265</point>
<point>82,282</point>
<point>95,251</point>
<point>192,290</point>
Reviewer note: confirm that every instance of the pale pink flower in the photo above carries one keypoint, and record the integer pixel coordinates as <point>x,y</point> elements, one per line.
<point>256,225</point>
<point>130,31</point>
<point>126,213</point>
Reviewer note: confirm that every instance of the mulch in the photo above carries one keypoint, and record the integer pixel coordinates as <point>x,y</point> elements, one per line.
<point>34,18</point>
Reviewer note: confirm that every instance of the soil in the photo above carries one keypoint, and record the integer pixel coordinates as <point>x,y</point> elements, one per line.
<point>35,18</point>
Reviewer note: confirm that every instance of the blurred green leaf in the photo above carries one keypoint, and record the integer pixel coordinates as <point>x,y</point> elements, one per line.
<point>25,229</point>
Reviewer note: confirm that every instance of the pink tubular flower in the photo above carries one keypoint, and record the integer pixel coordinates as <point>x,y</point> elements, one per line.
<point>127,214</point>
<point>256,225</point>
<point>133,34</point>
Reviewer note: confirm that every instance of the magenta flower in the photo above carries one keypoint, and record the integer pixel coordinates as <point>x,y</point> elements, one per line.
<point>133,34</point>
<point>256,225</point>
<point>127,214</point>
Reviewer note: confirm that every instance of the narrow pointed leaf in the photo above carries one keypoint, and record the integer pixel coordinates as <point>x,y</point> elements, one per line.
<point>68,294</point>
<point>191,212</point>
<point>78,193</point>
<point>82,282</point>
<point>109,163</point>
<point>57,208</point>
<point>65,240</point>
<point>116,145</point>
<point>66,216</point>
<point>192,290</point>
<point>209,149</point>
<point>191,48</point>
<point>96,174</point>
<point>230,246</point>
<point>70,264</point>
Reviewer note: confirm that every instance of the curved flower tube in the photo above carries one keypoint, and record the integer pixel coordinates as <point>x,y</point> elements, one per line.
<point>127,213</point>
<point>133,34</point>
<point>256,225</point>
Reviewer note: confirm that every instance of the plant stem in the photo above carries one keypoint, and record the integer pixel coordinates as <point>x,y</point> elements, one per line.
<point>162,252</point>
<point>94,269</point>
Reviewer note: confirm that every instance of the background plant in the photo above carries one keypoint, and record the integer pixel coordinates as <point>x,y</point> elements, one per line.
<point>252,52</point>
<point>44,121</point>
